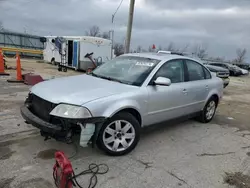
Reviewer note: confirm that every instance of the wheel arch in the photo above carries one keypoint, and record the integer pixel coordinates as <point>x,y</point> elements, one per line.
<point>52,59</point>
<point>215,96</point>
<point>132,111</point>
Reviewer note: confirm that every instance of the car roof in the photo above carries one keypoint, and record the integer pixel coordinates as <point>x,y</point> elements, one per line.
<point>215,67</point>
<point>219,63</point>
<point>160,56</point>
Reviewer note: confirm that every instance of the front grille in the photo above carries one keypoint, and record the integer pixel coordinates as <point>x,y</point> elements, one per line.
<point>40,107</point>
<point>223,74</point>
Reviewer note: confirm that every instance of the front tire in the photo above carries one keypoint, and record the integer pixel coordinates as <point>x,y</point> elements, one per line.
<point>232,73</point>
<point>119,135</point>
<point>208,111</point>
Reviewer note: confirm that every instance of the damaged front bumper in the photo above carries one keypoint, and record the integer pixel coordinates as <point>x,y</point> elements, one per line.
<point>57,131</point>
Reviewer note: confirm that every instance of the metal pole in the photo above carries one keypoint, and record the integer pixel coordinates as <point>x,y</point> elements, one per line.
<point>130,23</point>
<point>112,35</point>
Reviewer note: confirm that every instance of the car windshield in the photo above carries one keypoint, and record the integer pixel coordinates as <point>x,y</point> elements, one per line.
<point>235,66</point>
<point>126,69</point>
<point>229,65</point>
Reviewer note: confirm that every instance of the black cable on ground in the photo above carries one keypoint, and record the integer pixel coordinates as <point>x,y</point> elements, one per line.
<point>75,151</point>
<point>93,169</point>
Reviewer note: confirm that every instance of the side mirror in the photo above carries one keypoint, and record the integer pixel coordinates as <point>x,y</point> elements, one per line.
<point>162,81</point>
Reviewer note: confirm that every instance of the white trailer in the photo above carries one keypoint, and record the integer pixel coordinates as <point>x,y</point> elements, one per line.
<point>74,49</point>
<point>51,53</point>
<point>101,49</point>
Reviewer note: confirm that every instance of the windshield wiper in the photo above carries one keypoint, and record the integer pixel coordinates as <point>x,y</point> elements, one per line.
<point>109,78</point>
<point>93,74</point>
<point>99,76</point>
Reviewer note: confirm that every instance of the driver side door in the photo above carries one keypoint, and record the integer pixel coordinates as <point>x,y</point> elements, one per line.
<point>167,102</point>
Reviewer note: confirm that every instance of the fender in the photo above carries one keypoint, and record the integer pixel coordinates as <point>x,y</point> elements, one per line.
<point>122,105</point>
<point>211,93</point>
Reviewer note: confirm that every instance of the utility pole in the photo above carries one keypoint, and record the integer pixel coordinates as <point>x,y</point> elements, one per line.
<point>112,35</point>
<point>112,29</point>
<point>130,23</point>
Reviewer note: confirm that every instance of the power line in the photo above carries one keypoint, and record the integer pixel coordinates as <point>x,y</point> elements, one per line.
<point>113,15</point>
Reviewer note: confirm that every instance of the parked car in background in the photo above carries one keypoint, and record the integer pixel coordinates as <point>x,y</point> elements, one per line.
<point>221,73</point>
<point>234,71</point>
<point>122,96</point>
<point>243,71</point>
<point>245,66</point>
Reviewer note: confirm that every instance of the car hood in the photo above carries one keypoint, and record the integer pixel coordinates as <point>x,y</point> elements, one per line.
<point>216,68</point>
<point>78,90</point>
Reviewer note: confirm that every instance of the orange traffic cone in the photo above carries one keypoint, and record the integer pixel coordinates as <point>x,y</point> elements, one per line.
<point>2,73</point>
<point>18,71</point>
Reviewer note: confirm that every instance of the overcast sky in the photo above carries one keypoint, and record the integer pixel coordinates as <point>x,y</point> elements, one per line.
<point>220,25</point>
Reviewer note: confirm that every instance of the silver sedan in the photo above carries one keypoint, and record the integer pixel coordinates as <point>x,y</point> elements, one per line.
<point>122,96</point>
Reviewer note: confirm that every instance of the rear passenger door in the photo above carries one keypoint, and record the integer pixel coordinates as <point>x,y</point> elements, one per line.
<point>198,84</point>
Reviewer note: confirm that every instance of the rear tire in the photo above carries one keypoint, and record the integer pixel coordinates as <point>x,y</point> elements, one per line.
<point>208,111</point>
<point>64,69</point>
<point>119,135</point>
<point>53,62</point>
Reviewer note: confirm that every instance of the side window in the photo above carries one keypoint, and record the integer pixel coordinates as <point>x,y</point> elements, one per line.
<point>207,74</point>
<point>195,71</point>
<point>219,65</point>
<point>174,70</point>
<point>225,66</point>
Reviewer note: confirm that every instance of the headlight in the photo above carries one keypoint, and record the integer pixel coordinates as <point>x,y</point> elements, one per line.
<point>70,111</point>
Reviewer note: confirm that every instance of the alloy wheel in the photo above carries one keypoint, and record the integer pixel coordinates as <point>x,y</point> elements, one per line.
<point>210,110</point>
<point>118,135</point>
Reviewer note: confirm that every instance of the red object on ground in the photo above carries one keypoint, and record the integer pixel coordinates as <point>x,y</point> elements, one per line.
<point>153,47</point>
<point>32,79</point>
<point>2,72</point>
<point>62,171</point>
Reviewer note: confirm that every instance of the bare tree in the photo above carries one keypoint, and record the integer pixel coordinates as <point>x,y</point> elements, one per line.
<point>105,35</point>
<point>241,55</point>
<point>1,25</point>
<point>170,47</point>
<point>119,49</point>
<point>150,49</point>
<point>94,31</point>
<point>139,49</point>
<point>159,48</point>
<point>200,51</point>
<point>184,49</point>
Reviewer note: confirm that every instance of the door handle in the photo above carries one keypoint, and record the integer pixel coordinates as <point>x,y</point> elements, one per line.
<point>184,91</point>
<point>206,87</point>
